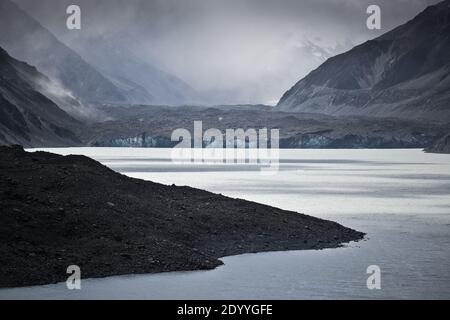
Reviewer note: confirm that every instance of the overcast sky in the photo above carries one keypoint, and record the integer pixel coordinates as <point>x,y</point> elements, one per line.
<point>238,51</point>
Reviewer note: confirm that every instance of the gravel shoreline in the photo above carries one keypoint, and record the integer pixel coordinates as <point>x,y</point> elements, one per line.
<point>58,211</point>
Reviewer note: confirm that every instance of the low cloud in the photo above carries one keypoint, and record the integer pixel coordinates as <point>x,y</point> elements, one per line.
<point>233,51</point>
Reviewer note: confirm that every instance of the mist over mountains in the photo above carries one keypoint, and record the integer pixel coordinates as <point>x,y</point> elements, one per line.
<point>102,74</point>
<point>139,81</point>
<point>101,88</point>
<point>27,116</point>
<point>28,41</point>
<point>231,52</point>
<point>211,52</point>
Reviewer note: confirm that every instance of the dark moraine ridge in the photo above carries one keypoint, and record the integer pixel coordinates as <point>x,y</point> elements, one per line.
<point>57,211</point>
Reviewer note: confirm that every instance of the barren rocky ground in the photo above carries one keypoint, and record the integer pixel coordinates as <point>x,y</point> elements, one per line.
<point>58,211</point>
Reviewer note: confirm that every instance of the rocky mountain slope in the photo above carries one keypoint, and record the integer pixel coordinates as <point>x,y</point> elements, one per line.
<point>59,211</point>
<point>27,116</point>
<point>441,145</point>
<point>405,73</point>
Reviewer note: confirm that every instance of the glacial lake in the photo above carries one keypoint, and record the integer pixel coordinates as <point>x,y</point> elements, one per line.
<point>400,198</point>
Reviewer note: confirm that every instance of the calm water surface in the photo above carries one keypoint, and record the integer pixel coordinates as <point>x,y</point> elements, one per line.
<point>400,198</point>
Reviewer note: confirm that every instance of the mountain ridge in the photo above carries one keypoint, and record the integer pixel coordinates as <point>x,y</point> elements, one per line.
<point>403,73</point>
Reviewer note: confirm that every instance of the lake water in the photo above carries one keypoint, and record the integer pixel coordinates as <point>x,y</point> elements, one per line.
<point>400,198</point>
